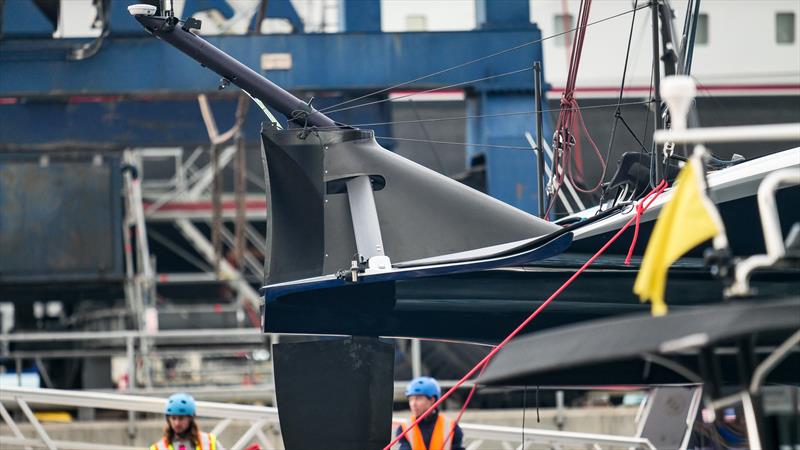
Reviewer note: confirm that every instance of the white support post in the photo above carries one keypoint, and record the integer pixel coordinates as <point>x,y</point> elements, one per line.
<point>366,227</point>
<point>416,358</point>
<point>560,419</point>
<point>221,426</point>
<point>264,440</point>
<point>144,279</point>
<point>11,424</point>
<point>257,425</point>
<point>143,249</point>
<point>753,438</point>
<point>130,352</point>
<point>133,288</point>
<point>36,425</point>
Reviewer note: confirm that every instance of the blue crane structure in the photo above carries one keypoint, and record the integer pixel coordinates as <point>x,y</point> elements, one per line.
<point>125,89</point>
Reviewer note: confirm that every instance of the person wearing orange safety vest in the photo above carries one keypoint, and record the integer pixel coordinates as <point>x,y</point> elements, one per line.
<point>434,432</point>
<point>181,431</point>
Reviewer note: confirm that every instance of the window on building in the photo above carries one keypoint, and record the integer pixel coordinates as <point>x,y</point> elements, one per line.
<point>784,28</point>
<point>701,37</point>
<point>416,22</point>
<point>562,23</point>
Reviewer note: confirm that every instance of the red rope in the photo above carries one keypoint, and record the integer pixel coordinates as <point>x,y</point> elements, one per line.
<point>567,140</point>
<point>579,117</point>
<point>525,323</point>
<point>463,408</point>
<point>639,211</point>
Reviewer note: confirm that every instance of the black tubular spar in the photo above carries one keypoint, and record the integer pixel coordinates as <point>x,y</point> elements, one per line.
<point>232,70</point>
<point>537,69</point>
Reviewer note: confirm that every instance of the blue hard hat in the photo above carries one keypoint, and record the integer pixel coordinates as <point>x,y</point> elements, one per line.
<point>180,405</point>
<point>426,386</point>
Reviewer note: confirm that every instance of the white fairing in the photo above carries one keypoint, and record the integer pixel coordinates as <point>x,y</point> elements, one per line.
<point>141,10</point>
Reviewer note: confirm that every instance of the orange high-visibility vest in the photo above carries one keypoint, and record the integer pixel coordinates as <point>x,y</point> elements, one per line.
<point>442,430</point>
<point>207,442</point>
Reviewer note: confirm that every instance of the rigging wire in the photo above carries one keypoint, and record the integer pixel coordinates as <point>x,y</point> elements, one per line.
<point>650,101</point>
<point>428,137</point>
<point>618,111</point>
<point>513,147</point>
<point>653,152</point>
<point>480,116</point>
<point>441,88</point>
<point>467,63</point>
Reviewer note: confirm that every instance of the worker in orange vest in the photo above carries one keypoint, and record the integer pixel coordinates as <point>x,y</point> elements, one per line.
<point>181,431</point>
<point>434,432</point>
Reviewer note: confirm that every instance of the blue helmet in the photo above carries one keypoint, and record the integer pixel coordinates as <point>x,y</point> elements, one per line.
<point>180,405</point>
<point>426,386</point>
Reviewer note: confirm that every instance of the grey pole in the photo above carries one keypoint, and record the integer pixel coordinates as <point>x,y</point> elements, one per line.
<point>232,71</point>
<point>537,69</point>
<point>657,168</point>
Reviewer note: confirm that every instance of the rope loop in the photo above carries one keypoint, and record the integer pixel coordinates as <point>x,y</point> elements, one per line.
<point>640,208</point>
<point>303,114</point>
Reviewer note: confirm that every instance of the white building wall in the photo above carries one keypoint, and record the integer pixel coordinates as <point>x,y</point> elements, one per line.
<point>741,57</point>
<point>741,53</point>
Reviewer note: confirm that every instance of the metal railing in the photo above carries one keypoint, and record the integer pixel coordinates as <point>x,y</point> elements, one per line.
<point>144,379</point>
<point>132,344</point>
<point>259,418</point>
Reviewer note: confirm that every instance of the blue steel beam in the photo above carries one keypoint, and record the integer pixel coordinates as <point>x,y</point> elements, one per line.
<point>24,19</point>
<point>107,123</point>
<point>328,62</point>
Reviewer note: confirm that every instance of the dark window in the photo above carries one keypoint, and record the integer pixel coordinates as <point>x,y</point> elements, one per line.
<point>784,28</point>
<point>562,23</point>
<point>701,38</point>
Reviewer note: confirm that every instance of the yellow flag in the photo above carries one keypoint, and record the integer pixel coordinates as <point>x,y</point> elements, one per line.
<point>686,221</point>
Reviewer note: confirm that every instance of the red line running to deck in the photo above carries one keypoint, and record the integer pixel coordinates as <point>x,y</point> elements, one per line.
<point>655,193</point>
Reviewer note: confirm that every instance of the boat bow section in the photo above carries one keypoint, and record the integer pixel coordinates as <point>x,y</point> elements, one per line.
<point>339,202</point>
